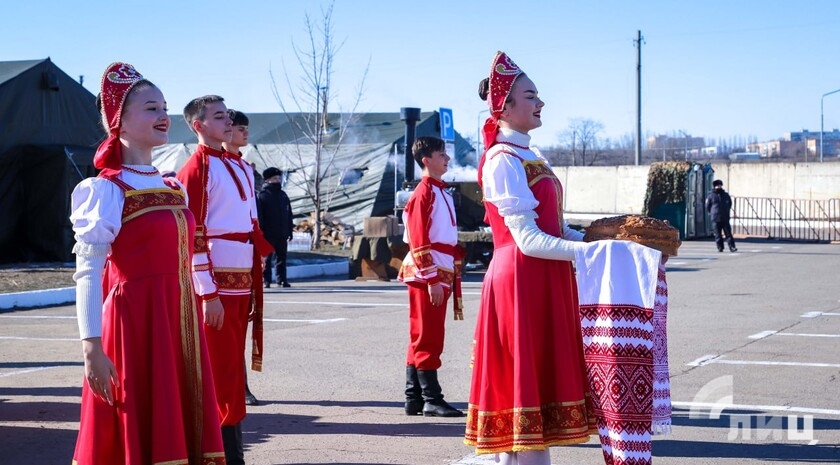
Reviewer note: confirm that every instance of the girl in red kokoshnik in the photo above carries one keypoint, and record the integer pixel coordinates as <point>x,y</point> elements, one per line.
<point>529,386</point>
<point>148,396</point>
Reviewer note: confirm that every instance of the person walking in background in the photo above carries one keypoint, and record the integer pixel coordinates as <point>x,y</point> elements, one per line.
<point>227,261</point>
<point>431,272</point>
<point>529,385</point>
<point>147,397</point>
<point>275,214</point>
<point>719,204</point>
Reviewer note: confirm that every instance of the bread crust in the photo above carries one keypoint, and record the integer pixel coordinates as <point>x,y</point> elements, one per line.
<point>650,232</point>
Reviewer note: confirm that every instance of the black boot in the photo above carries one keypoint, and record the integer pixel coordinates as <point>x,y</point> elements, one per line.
<point>250,399</point>
<point>232,441</point>
<point>413,393</point>
<point>434,405</point>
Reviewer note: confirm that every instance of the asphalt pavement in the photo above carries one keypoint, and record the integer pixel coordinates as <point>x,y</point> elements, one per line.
<point>754,338</point>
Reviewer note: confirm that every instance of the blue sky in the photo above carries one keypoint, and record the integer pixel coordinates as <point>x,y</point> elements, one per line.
<point>714,69</point>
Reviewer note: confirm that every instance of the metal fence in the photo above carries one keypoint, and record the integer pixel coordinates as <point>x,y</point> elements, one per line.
<point>791,219</point>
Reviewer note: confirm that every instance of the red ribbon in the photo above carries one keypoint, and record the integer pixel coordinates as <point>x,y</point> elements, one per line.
<point>488,132</point>
<point>108,157</point>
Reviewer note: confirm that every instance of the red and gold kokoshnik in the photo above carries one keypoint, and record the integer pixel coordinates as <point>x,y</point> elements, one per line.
<point>503,73</point>
<point>117,82</point>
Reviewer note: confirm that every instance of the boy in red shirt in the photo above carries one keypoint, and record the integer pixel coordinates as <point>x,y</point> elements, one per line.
<point>429,270</point>
<point>227,261</point>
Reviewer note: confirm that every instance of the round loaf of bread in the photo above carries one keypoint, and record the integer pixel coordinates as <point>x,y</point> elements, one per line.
<point>651,232</point>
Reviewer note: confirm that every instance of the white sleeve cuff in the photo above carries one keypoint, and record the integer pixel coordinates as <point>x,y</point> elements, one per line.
<point>533,242</point>
<point>203,280</point>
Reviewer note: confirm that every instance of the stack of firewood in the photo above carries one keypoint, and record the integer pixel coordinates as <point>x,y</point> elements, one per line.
<point>333,230</point>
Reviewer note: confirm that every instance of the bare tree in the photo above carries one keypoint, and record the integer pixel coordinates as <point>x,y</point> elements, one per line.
<point>582,136</point>
<point>317,138</point>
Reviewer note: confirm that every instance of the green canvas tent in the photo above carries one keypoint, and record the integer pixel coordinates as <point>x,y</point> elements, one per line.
<point>49,129</point>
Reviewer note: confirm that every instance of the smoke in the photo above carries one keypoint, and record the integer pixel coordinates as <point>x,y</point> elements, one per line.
<point>458,173</point>
<point>461,169</point>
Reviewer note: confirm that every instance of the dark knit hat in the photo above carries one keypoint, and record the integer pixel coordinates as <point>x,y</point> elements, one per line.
<point>271,172</point>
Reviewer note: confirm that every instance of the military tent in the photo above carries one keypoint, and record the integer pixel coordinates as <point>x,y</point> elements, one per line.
<point>49,129</point>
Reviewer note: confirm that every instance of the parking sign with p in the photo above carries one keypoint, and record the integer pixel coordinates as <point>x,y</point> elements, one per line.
<point>447,129</point>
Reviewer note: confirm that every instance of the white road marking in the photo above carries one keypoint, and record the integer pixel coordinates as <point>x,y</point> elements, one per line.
<point>21,372</point>
<point>474,459</point>
<point>706,359</point>
<point>340,290</point>
<point>279,320</point>
<point>39,317</point>
<point>762,334</point>
<point>765,408</point>
<point>808,335</point>
<point>719,359</point>
<point>767,333</point>
<point>338,304</point>
<point>816,314</point>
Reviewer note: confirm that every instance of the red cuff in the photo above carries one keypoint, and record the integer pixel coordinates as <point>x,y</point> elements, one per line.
<point>264,248</point>
<point>209,297</point>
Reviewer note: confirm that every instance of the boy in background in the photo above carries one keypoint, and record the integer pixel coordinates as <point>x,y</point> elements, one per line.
<point>233,149</point>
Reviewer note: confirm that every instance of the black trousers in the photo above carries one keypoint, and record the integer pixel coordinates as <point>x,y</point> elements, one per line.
<point>726,229</point>
<point>278,258</point>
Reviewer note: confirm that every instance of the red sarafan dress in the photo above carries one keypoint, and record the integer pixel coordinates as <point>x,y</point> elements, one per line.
<point>529,388</point>
<point>164,410</point>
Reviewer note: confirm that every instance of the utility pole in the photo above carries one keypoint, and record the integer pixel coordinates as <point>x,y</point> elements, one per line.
<point>638,43</point>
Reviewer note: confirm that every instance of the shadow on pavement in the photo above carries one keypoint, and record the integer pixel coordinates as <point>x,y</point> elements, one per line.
<point>39,411</point>
<point>350,403</point>
<point>760,445</point>
<point>37,445</point>
<point>54,391</point>
<point>819,453</point>
<point>261,427</point>
<point>40,364</point>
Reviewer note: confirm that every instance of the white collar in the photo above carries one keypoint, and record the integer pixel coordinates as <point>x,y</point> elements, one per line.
<point>514,137</point>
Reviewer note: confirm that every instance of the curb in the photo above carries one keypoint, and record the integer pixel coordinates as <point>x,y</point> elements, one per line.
<point>316,270</point>
<point>67,295</point>
<point>41,298</point>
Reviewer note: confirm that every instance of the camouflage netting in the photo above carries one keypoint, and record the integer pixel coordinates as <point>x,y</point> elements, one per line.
<point>665,184</point>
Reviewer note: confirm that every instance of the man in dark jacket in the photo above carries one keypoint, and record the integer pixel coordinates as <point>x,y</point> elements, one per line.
<point>718,204</point>
<point>275,214</point>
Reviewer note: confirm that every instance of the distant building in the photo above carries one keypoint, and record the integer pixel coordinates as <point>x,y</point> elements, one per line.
<point>831,141</point>
<point>808,135</point>
<point>687,147</point>
<point>779,148</point>
<point>709,152</point>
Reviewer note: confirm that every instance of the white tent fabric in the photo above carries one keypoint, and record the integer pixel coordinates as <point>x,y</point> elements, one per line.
<point>358,177</point>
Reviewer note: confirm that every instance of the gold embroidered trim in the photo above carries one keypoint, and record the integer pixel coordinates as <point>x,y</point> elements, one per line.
<point>190,342</point>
